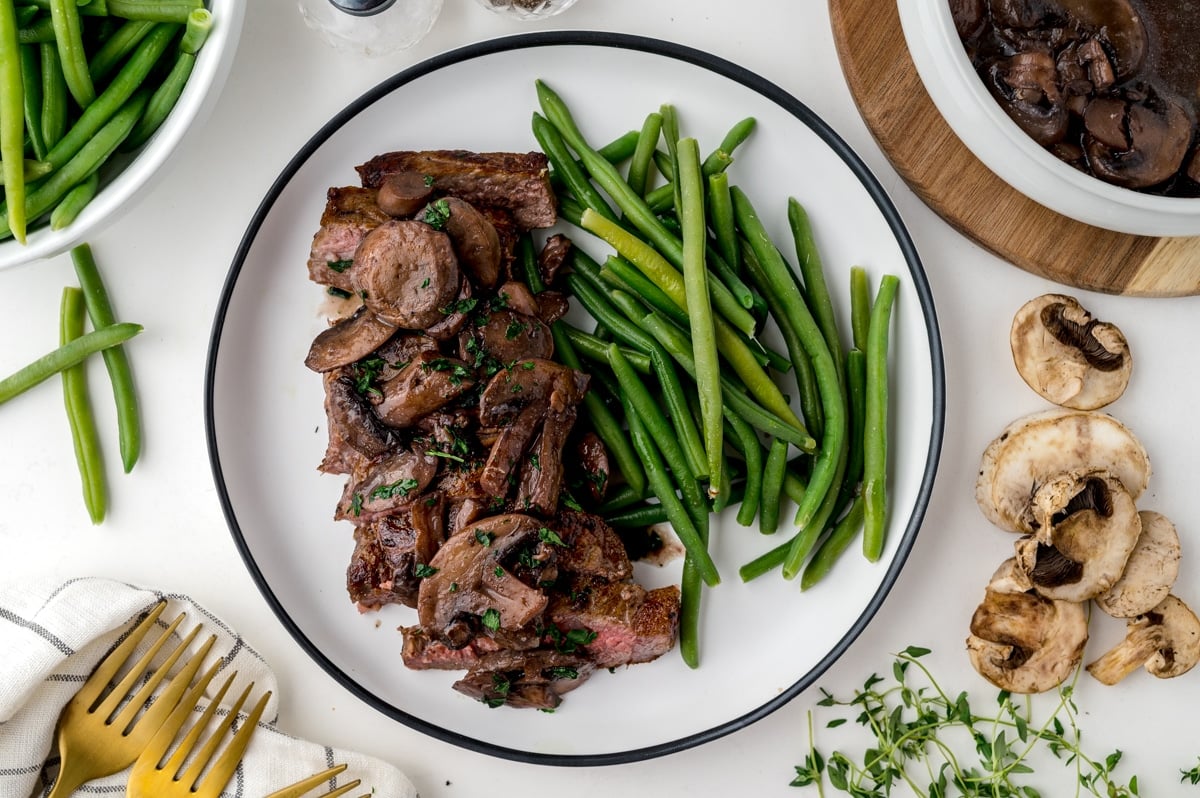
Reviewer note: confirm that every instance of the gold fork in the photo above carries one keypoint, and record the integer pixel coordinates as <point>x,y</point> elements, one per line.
<point>152,777</point>
<point>301,787</point>
<point>97,735</point>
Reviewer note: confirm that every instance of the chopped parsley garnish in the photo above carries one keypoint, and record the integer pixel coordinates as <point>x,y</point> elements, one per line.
<point>500,687</point>
<point>570,641</point>
<point>365,371</point>
<point>548,535</point>
<point>497,572</point>
<point>483,537</point>
<point>454,587</point>
<point>499,301</point>
<point>563,672</point>
<point>446,455</point>
<point>491,619</point>
<point>398,488</point>
<point>356,504</point>
<point>340,266</point>
<point>458,306</point>
<point>338,292</point>
<point>437,214</point>
<point>422,571</point>
<point>425,283</point>
<point>529,365</point>
<point>514,329</point>
<point>428,180</point>
<point>569,501</point>
<point>535,461</point>
<point>457,371</point>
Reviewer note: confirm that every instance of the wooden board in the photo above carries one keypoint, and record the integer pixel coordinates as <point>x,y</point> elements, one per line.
<point>959,188</point>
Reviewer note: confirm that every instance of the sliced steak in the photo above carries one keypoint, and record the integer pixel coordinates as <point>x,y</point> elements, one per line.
<point>384,484</point>
<point>524,679</point>
<point>407,273</point>
<point>519,183</point>
<point>422,652</point>
<point>350,213</point>
<point>388,552</point>
<point>347,341</point>
<point>592,548</point>
<point>630,623</point>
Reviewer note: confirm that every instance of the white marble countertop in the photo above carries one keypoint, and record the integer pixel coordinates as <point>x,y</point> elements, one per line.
<point>165,262</point>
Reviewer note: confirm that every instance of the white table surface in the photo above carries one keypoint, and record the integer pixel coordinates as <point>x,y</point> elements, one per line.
<point>165,262</point>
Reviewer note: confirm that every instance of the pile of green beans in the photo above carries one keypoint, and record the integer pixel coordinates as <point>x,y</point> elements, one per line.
<point>679,371</point>
<point>80,80</point>
<point>90,299</point>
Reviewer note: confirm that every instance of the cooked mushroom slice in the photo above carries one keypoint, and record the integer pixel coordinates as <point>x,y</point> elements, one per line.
<point>525,679</point>
<point>1026,87</point>
<point>347,341</point>
<point>385,483</point>
<point>429,382</point>
<point>1067,356</point>
<point>471,583</point>
<point>1041,446</point>
<point>1023,642</point>
<point>1119,23</point>
<point>1087,527</point>
<point>1165,640</point>
<point>355,432</point>
<point>401,194</point>
<point>1157,132</point>
<point>407,273</point>
<point>1150,571</point>
<point>475,239</point>
<point>456,314</point>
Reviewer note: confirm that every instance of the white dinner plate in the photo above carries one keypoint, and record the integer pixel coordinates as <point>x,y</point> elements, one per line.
<point>762,642</point>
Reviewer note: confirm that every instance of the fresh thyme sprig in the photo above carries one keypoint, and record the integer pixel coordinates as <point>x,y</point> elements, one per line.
<point>922,735</point>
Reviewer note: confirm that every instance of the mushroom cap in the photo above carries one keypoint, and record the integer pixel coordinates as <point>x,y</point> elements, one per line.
<point>1165,640</point>
<point>1150,571</point>
<point>1159,133</point>
<point>1039,447</point>
<point>1023,642</point>
<point>1087,526</point>
<point>1067,356</point>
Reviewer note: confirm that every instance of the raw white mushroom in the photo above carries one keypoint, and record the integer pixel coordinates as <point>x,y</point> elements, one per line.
<point>1165,641</point>
<point>1037,448</point>
<point>1023,642</point>
<point>1150,572</point>
<point>1087,526</point>
<point>1067,356</point>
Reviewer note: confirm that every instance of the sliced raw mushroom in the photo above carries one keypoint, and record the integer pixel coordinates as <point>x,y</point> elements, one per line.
<point>1165,641</point>
<point>406,272</point>
<point>472,584</point>
<point>1087,527</point>
<point>1023,642</point>
<point>1067,356</point>
<point>348,341</point>
<point>1041,446</point>
<point>1150,571</point>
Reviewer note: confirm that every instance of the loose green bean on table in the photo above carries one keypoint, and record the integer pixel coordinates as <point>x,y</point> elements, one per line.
<point>79,411</point>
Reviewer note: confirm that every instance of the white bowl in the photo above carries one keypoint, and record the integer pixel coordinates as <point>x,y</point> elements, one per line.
<point>123,177</point>
<point>977,119</point>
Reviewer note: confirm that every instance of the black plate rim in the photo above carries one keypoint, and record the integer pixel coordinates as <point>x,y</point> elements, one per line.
<point>721,67</point>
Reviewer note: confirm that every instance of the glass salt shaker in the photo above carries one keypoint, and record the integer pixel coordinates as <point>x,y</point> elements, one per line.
<point>371,27</point>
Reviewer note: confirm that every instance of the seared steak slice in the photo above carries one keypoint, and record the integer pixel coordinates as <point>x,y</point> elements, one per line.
<point>421,652</point>
<point>592,548</point>
<point>631,624</point>
<point>388,551</point>
<point>524,679</point>
<point>350,213</point>
<point>519,183</point>
<point>355,432</point>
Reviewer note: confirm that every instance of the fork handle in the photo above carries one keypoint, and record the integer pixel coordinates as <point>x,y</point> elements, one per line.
<point>70,778</point>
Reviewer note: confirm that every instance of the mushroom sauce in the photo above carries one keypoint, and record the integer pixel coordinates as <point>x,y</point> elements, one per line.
<point>1111,87</point>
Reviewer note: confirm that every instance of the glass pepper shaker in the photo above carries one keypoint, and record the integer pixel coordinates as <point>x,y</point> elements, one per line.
<point>371,27</point>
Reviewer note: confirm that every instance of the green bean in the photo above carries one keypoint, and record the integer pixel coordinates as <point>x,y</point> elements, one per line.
<point>759,417</point>
<point>720,214</point>
<point>74,201</point>
<point>740,131</point>
<point>860,306</point>
<point>619,149</point>
<point>114,48</point>
<point>648,443</point>
<point>79,411</point>
<point>12,120</point>
<point>825,512</point>
<point>567,170</point>
<point>595,349</point>
<point>632,518</point>
<point>639,167</point>
<point>196,30</point>
<point>174,11</point>
<point>833,545</point>
<point>31,83</point>
<point>717,161</point>
<point>116,360</point>
<point>86,161</point>
<point>32,170</point>
<point>856,379</point>
<point>813,273</point>
<point>40,32</point>
<point>670,168</point>
<point>742,434</point>
<point>25,14</point>
<point>54,362</point>
<point>829,381</point>
<point>876,432</point>
<point>700,313</point>
<point>772,487</point>
<point>54,96</point>
<point>806,384</point>
<point>122,87</point>
<point>606,425</point>
<point>720,270</point>
<point>168,92</point>
<point>621,498</point>
<point>690,593</point>
<point>68,35</point>
<point>645,289</point>
<point>601,309</point>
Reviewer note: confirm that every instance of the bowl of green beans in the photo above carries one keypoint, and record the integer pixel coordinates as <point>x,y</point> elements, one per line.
<point>95,96</point>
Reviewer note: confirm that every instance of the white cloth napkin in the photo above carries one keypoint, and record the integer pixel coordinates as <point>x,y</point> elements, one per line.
<point>51,638</point>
